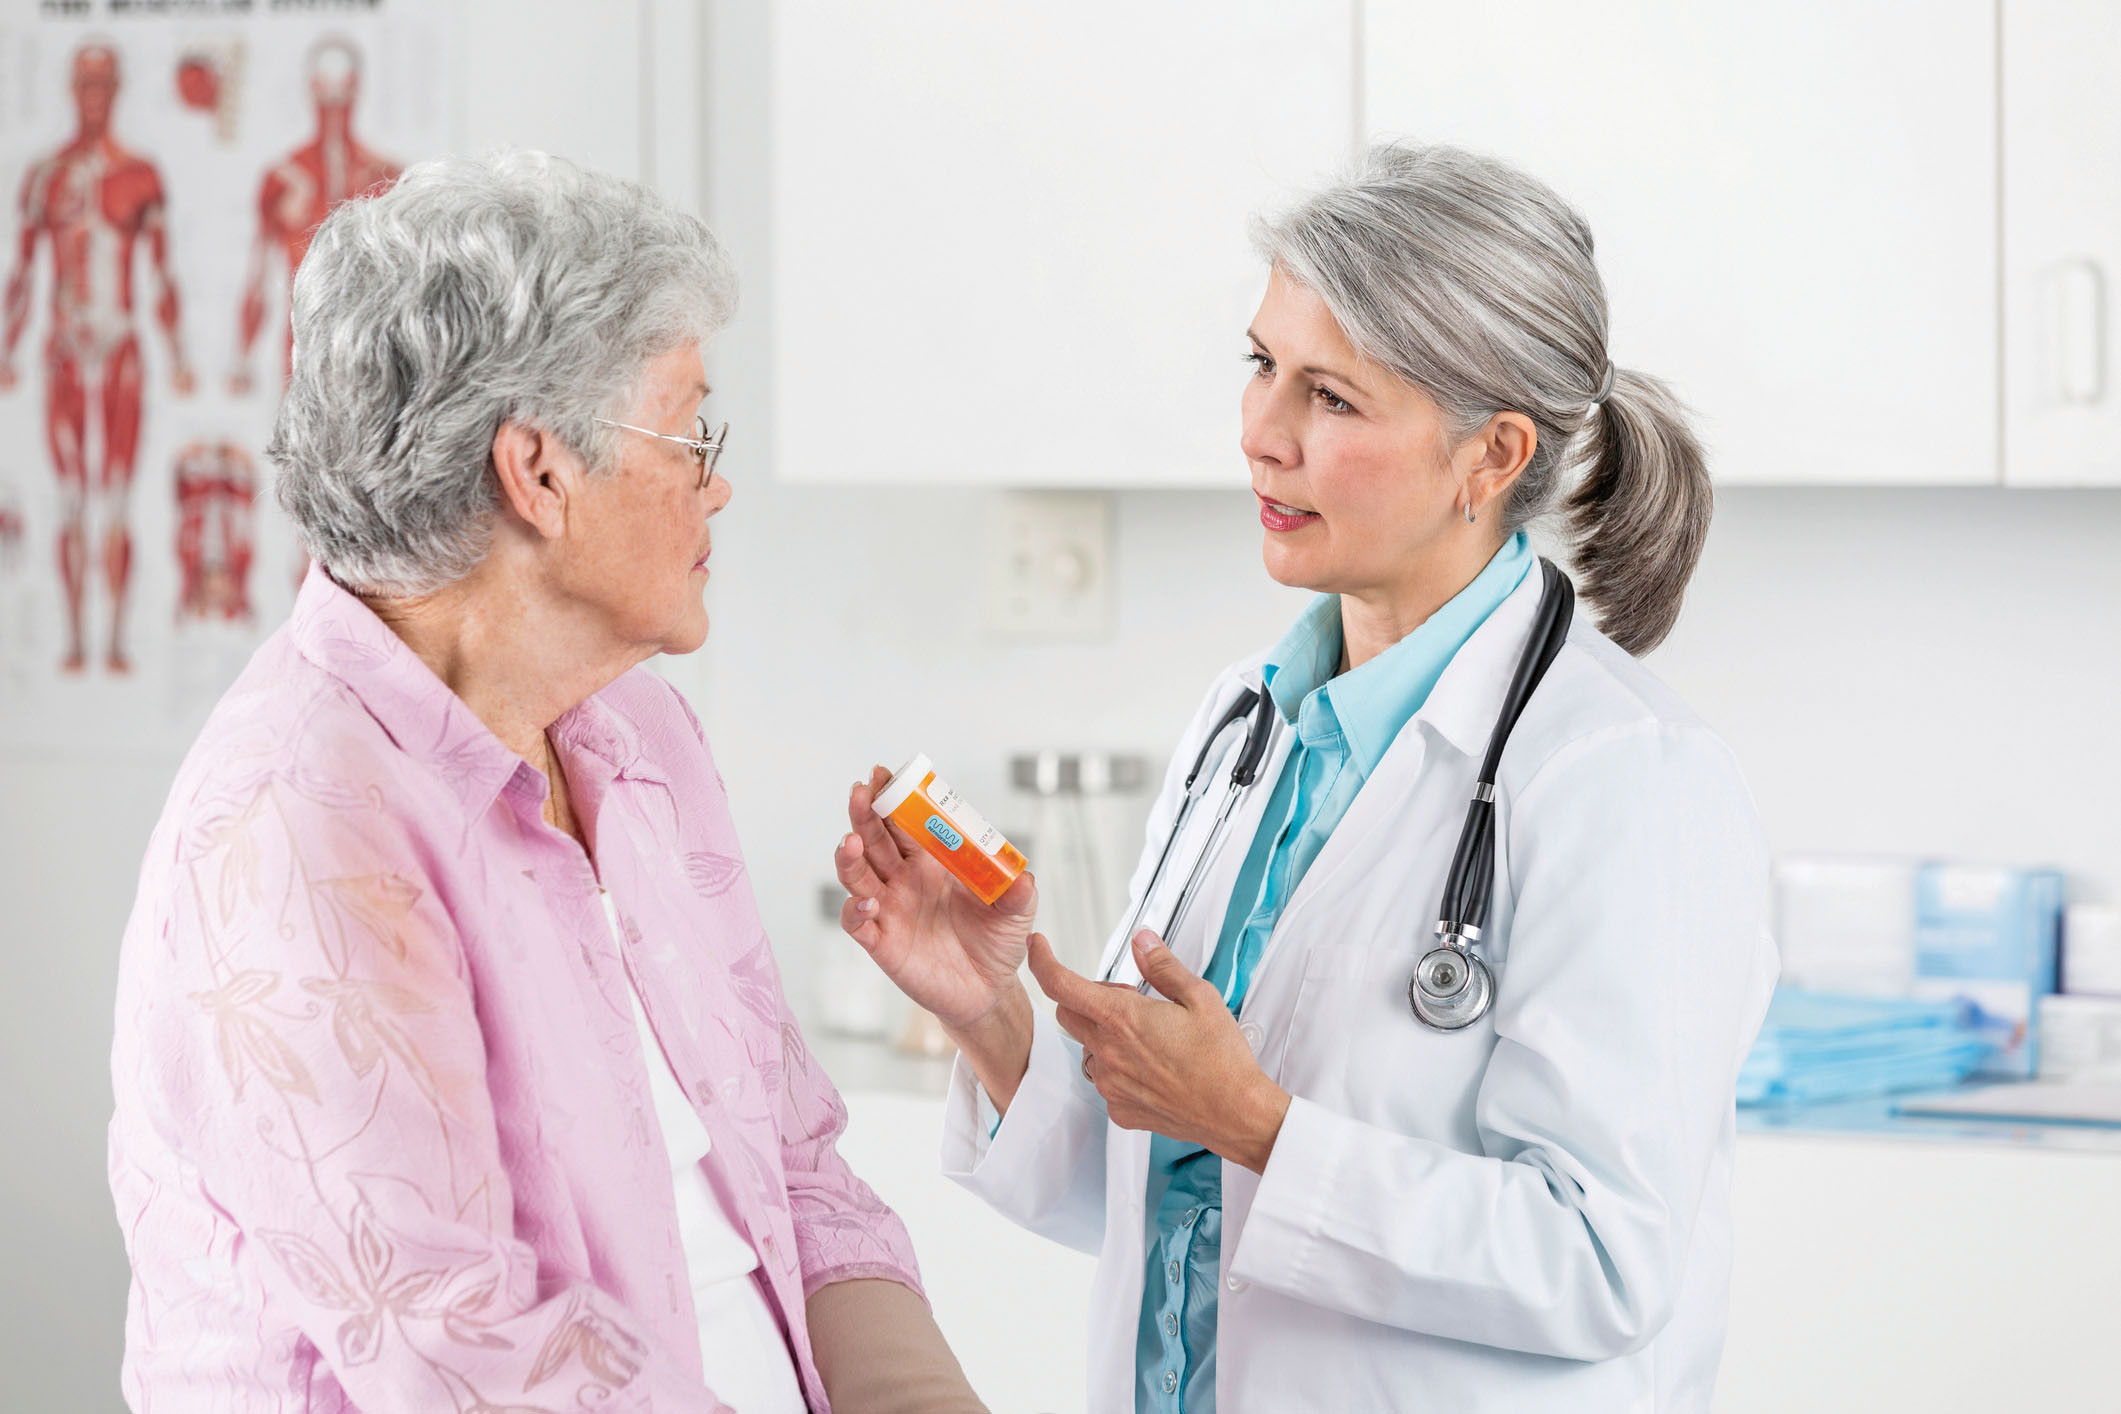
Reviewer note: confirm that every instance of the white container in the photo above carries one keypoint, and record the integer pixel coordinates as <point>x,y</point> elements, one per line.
<point>2080,1038</point>
<point>2091,950</point>
<point>1846,924</point>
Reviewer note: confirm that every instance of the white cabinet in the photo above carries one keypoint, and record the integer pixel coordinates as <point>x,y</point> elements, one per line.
<point>1877,1274</point>
<point>1009,241</point>
<point>1868,1273</point>
<point>1794,204</point>
<point>2061,241</point>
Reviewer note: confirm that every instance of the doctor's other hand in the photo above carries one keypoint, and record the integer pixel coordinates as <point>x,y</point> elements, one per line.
<point>938,943</point>
<point>1179,1067</point>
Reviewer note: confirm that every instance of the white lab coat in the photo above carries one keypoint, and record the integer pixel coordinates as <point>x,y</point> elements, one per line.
<point>1530,1214</point>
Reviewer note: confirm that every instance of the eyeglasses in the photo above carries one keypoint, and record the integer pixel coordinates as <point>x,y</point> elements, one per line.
<point>706,448</point>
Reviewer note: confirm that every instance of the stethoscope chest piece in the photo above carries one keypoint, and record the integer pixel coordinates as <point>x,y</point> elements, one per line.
<point>1451,989</point>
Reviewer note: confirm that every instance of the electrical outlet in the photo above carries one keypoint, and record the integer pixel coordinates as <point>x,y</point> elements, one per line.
<point>1049,566</point>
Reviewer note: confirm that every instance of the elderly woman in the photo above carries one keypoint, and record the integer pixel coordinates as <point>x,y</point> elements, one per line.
<point>453,1069</point>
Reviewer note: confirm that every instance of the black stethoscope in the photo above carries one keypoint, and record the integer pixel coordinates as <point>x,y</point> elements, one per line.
<point>1452,986</point>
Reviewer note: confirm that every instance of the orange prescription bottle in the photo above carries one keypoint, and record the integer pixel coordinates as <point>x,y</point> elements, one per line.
<point>945,824</point>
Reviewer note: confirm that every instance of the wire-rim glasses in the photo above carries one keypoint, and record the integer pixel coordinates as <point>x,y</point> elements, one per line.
<point>706,448</point>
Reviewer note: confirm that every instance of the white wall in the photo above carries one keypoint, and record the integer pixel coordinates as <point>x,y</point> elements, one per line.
<point>71,834</point>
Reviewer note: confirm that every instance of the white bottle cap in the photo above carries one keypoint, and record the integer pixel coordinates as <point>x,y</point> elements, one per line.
<point>905,783</point>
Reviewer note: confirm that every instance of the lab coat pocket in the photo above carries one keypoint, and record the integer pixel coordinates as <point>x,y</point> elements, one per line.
<point>1313,1060</point>
<point>1356,1047</point>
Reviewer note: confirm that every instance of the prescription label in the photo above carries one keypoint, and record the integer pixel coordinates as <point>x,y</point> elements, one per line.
<point>959,812</point>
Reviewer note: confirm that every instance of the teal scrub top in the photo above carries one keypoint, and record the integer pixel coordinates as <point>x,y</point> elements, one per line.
<point>1344,725</point>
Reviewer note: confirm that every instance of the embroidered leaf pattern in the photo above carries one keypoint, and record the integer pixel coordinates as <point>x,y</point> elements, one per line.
<point>240,864</point>
<point>378,903</point>
<point>245,1042</point>
<point>361,1028</point>
<point>311,1271</point>
<point>459,1317</point>
<point>815,1112</point>
<point>757,982</point>
<point>360,1337</point>
<point>712,874</point>
<point>610,1355</point>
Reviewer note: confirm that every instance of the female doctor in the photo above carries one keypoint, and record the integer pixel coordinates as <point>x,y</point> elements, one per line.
<point>1314,1179</point>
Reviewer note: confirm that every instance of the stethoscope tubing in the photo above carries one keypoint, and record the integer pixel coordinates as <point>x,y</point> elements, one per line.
<point>1254,708</point>
<point>1469,883</point>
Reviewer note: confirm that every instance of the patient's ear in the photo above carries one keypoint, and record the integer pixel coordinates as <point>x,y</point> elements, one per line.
<point>537,475</point>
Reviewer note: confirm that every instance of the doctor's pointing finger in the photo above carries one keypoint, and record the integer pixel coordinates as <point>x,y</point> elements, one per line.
<point>1172,1064</point>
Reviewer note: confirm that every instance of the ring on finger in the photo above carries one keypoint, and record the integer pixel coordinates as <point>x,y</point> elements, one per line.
<point>1086,1069</point>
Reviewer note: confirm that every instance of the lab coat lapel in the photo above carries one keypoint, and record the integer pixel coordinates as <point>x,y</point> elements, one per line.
<point>1461,710</point>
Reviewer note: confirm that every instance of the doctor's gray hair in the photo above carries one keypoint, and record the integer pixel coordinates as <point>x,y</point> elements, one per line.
<point>476,291</point>
<point>1475,283</point>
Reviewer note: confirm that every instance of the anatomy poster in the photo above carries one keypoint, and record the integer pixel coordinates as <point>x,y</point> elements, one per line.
<point>163,164</point>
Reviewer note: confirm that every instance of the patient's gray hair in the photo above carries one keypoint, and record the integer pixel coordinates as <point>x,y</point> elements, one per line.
<point>1474,282</point>
<point>476,291</point>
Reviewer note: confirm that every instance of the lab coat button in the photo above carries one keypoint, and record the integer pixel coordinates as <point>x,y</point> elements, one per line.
<point>1238,1283</point>
<point>1254,1036</point>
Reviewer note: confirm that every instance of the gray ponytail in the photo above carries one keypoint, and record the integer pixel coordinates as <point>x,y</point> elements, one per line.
<point>1475,283</point>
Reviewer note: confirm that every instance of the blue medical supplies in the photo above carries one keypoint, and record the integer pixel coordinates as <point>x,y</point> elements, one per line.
<point>1990,937</point>
<point>1817,1047</point>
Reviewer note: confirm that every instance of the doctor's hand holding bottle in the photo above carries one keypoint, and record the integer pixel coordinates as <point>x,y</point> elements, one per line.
<point>1174,1064</point>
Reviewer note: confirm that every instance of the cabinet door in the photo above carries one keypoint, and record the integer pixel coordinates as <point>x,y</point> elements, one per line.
<point>1010,242</point>
<point>2061,241</point>
<point>1794,205</point>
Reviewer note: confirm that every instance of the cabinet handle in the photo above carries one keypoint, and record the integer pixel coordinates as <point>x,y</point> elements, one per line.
<point>2073,318</point>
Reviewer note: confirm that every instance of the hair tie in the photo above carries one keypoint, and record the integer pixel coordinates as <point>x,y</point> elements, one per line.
<point>1605,388</point>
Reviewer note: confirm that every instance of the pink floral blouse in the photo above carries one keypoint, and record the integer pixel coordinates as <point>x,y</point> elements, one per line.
<point>383,1136</point>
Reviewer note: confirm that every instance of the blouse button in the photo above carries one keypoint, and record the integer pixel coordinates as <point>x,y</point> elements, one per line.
<point>1170,1382</point>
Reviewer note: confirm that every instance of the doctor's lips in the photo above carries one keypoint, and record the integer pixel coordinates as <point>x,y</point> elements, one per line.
<point>1276,516</point>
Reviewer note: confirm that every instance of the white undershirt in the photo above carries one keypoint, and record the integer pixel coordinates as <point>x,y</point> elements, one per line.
<point>747,1362</point>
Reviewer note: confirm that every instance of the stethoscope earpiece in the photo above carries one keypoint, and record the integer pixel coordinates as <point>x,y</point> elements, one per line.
<point>1451,989</point>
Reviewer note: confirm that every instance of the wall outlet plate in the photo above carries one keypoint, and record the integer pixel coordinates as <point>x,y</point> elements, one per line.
<point>1050,566</point>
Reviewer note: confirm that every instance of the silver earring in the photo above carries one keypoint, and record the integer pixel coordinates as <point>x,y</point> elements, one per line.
<point>1469,510</point>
